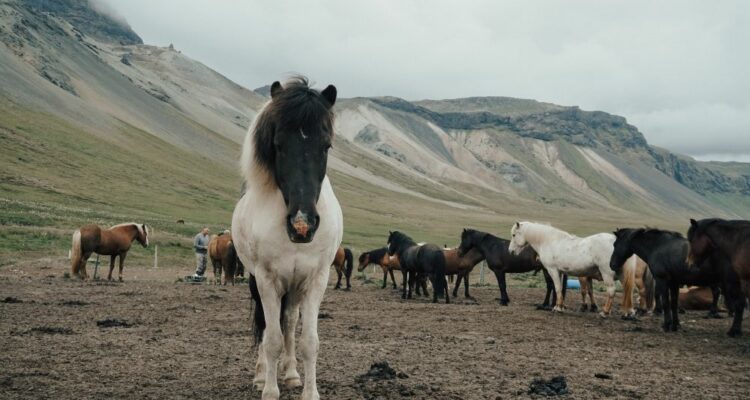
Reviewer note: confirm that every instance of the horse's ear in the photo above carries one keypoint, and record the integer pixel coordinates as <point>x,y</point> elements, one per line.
<point>276,89</point>
<point>693,222</point>
<point>329,93</point>
<point>518,224</point>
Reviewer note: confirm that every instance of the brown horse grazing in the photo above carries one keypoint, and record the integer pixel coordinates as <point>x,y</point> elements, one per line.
<point>381,258</point>
<point>461,266</point>
<point>113,242</point>
<point>223,258</point>
<point>344,263</point>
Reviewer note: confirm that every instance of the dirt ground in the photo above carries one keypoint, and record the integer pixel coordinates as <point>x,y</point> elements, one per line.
<point>193,341</point>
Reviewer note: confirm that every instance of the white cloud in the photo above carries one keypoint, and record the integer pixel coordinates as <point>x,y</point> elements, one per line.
<point>676,69</point>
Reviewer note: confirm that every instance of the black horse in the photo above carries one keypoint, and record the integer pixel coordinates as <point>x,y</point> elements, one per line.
<point>426,259</point>
<point>501,261</point>
<point>729,242</point>
<point>665,252</point>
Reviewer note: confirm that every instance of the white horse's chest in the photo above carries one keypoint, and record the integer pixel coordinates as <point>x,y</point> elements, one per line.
<point>261,239</point>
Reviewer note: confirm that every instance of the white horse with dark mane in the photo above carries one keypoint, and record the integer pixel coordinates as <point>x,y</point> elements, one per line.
<point>562,252</point>
<point>287,228</point>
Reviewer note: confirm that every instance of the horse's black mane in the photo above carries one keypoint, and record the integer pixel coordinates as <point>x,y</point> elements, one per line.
<point>376,254</point>
<point>399,238</point>
<point>295,107</point>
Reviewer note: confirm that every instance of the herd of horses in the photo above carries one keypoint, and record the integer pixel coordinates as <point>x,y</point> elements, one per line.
<point>287,227</point>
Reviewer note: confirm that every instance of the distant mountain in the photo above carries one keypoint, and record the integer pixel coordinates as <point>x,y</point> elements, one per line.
<point>158,134</point>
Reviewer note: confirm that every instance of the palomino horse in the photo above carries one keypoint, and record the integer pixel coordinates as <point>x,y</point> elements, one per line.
<point>223,256</point>
<point>381,258</point>
<point>495,251</point>
<point>666,253</point>
<point>287,228</point>
<point>415,259</point>
<point>344,263</point>
<point>559,251</point>
<point>729,241</point>
<point>112,242</point>
<point>635,274</point>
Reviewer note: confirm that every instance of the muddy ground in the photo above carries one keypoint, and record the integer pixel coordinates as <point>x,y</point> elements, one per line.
<point>152,337</point>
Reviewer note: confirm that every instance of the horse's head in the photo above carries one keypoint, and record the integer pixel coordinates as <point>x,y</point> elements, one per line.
<point>292,138</point>
<point>392,245</point>
<point>623,248</point>
<point>142,234</point>
<point>364,261</point>
<point>467,241</point>
<point>517,239</point>
<point>700,243</point>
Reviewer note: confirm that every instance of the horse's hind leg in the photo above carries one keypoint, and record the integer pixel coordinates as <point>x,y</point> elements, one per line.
<point>385,276</point>
<point>309,343</point>
<point>610,282</point>
<point>82,267</point>
<point>674,292</point>
<point>338,282</point>
<point>289,356</point>
<point>458,284</point>
<point>713,311</point>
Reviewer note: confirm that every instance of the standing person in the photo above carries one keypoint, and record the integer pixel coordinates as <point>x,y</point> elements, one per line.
<point>200,244</point>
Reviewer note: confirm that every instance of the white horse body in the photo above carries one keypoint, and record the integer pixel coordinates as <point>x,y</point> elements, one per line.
<point>561,252</point>
<point>298,271</point>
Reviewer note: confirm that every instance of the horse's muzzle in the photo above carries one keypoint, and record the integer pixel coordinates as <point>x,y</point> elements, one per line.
<point>301,226</point>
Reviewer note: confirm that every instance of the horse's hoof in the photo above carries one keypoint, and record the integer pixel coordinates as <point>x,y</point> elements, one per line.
<point>714,315</point>
<point>629,317</point>
<point>336,288</point>
<point>675,327</point>
<point>665,327</point>
<point>543,307</point>
<point>348,289</point>
<point>603,315</point>
<point>293,382</point>
<point>557,310</point>
<point>593,308</point>
<point>681,310</point>
<point>119,279</point>
<point>259,385</point>
<point>734,333</point>
<point>504,303</point>
<point>583,308</point>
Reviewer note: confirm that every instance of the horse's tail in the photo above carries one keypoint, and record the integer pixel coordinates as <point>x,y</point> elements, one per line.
<point>349,262</point>
<point>76,252</point>
<point>648,281</point>
<point>230,269</point>
<point>259,317</point>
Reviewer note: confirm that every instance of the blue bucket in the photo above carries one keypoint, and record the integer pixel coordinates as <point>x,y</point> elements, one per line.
<point>574,284</point>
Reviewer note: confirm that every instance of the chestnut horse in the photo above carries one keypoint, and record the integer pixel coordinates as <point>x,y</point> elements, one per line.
<point>344,263</point>
<point>223,257</point>
<point>381,258</point>
<point>112,242</point>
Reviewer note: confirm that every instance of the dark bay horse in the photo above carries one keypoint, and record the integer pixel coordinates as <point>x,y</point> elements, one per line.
<point>344,263</point>
<point>380,257</point>
<point>501,261</point>
<point>223,257</point>
<point>114,242</point>
<point>666,253</point>
<point>461,265</point>
<point>417,259</point>
<point>728,241</point>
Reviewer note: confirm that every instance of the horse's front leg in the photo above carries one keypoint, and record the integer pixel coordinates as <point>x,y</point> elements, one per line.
<point>458,284</point>
<point>466,284</point>
<point>584,283</point>
<point>122,264</point>
<point>338,282</point>
<point>309,343</point>
<point>272,338</point>
<point>393,279</point>
<point>609,280</point>
<point>111,266</point>
<point>550,291</point>
<point>504,299</point>
<point>662,293</point>
<point>555,274</point>
<point>289,356</point>
<point>385,276</point>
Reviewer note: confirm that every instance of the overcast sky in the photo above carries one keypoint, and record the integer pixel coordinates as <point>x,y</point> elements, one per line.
<point>678,70</point>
